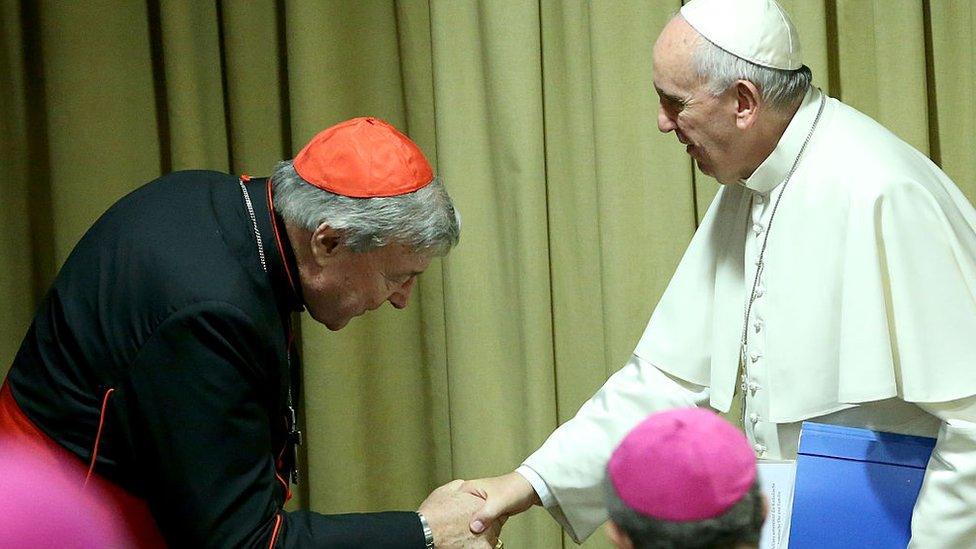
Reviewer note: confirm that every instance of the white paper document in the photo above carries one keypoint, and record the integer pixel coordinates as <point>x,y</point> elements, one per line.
<point>776,479</point>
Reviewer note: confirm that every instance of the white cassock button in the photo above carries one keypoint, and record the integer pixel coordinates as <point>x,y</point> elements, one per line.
<point>759,199</point>
<point>753,386</point>
<point>760,291</point>
<point>760,449</point>
<point>757,228</point>
<point>757,324</point>
<point>754,417</point>
<point>755,356</point>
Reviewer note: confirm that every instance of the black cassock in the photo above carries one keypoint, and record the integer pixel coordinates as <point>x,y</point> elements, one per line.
<point>170,312</point>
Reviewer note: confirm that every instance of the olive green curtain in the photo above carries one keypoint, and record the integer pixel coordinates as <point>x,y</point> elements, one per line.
<point>540,116</point>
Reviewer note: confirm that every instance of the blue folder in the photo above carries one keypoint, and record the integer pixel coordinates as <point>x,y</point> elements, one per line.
<point>855,487</point>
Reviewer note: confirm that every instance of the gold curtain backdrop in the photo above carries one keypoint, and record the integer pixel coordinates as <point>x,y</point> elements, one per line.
<point>540,116</point>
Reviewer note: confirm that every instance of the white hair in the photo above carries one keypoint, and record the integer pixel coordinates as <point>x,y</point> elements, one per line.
<point>720,70</point>
<point>425,220</point>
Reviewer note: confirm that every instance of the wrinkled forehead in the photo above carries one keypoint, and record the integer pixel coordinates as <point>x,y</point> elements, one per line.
<point>673,55</point>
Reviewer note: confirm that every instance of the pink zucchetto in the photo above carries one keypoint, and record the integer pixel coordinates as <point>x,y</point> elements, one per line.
<point>682,465</point>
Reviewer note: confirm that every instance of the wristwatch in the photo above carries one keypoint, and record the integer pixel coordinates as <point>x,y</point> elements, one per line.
<point>428,534</point>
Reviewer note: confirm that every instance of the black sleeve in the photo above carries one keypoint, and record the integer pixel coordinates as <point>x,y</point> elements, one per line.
<point>194,407</point>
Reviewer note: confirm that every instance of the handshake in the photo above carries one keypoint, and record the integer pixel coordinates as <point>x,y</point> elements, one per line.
<point>680,478</point>
<point>471,514</point>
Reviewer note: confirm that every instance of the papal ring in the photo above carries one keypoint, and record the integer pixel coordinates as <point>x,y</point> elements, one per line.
<point>500,545</point>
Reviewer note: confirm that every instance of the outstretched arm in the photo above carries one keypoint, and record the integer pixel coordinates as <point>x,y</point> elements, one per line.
<point>572,461</point>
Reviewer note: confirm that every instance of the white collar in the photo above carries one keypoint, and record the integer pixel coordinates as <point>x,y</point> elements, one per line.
<point>774,168</point>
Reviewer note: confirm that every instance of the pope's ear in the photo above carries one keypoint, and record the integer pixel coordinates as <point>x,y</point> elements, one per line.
<point>747,103</point>
<point>325,243</point>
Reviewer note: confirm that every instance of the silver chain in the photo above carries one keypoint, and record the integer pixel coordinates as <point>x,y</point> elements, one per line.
<point>254,224</point>
<point>292,416</point>
<point>760,264</point>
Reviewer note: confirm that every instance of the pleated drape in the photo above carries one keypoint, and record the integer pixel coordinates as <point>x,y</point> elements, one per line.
<point>539,114</point>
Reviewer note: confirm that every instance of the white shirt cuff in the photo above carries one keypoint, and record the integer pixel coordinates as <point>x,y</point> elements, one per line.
<point>539,485</point>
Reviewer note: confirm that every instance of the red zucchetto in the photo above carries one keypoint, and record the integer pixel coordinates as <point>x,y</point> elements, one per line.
<point>363,158</point>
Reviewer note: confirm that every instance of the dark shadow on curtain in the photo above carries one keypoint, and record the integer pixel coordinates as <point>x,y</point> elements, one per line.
<point>225,101</point>
<point>833,49</point>
<point>935,149</point>
<point>40,217</point>
<point>284,97</point>
<point>159,86</point>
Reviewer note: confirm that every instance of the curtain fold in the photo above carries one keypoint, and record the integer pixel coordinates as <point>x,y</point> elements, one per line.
<point>189,36</point>
<point>17,288</point>
<point>102,135</point>
<point>541,117</point>
<point>490,150</point>
<point>255,85</point>
<point>952,89</point>
<point>882,64</point>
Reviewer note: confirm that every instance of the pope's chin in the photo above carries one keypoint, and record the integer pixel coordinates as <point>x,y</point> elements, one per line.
<point>707,170</point>
<point>692,150</point>
<point>703,168</point>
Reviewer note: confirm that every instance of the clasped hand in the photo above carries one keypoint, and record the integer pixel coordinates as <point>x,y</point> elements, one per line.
<point>471,514</point>
<point>448,511</point>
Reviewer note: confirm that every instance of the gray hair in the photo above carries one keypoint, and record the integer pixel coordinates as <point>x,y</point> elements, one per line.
<point>720,69</point>
<point>425,220</point>
<point>741,524</point>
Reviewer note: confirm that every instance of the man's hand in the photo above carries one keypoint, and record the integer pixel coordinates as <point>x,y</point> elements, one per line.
<point>503,497</point>
<point>448,511</point>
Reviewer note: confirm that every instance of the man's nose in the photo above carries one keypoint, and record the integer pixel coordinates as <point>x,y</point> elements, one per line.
<point>664,122</point>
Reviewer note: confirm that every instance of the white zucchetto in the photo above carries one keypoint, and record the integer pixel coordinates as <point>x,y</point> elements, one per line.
<point>759,31</point>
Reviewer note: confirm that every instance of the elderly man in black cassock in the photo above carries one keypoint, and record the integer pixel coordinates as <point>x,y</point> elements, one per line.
<point>163,358</point>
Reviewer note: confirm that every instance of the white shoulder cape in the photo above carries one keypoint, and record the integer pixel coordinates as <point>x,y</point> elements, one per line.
<point>870,277</point>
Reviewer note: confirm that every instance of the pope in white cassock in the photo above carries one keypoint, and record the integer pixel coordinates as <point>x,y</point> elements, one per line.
<point>832,279</point>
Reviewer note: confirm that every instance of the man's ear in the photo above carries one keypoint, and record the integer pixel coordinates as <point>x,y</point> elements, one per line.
<point>747,103</point>
<point>617,536</point>
<point>325,243</point>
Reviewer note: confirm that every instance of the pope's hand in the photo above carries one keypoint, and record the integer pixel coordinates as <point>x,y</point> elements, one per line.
<point>503,497</point>
<point>448,511</point>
